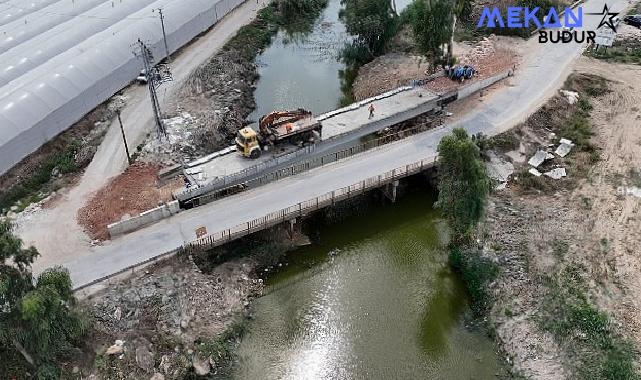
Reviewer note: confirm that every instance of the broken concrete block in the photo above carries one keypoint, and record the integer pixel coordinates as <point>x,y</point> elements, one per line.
<point>563,150</point>
<point>571,96</point>
<point>534,172</point>
<point>498,168</point>
<point>557,173</point>
<point>538,158</point>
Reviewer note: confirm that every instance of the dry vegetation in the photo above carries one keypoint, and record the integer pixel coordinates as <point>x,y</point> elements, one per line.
<point>566,300</point>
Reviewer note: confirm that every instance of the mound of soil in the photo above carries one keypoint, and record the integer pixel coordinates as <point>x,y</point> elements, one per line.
<point>130,193</point>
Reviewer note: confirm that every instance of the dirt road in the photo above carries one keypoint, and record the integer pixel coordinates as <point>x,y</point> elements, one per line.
<point>55,231</point>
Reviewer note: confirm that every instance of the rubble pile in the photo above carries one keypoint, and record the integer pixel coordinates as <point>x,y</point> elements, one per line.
<point>177,146</point>
<point>155,319</point>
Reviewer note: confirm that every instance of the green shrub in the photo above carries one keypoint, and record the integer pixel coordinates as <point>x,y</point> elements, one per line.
<point>64,161</point>
<point>477,273</point>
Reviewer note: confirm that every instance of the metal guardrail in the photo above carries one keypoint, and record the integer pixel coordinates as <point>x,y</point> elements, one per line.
<point>237,186</point>
<point>303,208</point>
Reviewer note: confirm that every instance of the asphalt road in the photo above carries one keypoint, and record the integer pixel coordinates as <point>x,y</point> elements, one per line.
<point>542,72</point>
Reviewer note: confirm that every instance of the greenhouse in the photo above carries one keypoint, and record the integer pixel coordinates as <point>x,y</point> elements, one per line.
<point>60,59</point>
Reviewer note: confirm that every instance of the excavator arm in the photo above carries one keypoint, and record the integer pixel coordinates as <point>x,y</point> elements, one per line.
<point>276,118</point>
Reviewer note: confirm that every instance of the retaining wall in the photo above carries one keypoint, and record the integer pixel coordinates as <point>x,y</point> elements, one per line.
<point>144,219</point>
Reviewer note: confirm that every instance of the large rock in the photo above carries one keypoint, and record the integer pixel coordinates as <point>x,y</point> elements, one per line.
<point>117,348</point>
<point>157,376</point>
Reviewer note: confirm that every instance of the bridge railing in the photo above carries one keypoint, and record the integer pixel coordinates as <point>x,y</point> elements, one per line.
<point>303,208</point>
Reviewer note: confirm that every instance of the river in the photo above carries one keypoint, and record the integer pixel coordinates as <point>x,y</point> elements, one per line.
<point>372,298</point>
<point>303,70</point>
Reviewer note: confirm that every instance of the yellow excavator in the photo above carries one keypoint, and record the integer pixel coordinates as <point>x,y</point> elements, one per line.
<point>297,126</point>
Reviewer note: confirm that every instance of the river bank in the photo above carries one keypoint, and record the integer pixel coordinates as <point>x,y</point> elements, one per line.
<point>565,300</point>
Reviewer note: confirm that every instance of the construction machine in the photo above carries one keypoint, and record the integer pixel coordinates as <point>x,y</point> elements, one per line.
<point>297,126</point>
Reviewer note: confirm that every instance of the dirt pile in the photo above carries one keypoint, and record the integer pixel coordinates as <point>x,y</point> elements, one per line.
<point>388,72</point>
<point>489,56</point>
<point>128,194</point>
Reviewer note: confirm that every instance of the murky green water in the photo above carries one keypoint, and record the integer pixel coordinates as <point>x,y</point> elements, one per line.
<point>373,299</point>
<point>301,71</point>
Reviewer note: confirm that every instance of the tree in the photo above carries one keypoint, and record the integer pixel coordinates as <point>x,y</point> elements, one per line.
<point>432,27</point>
<point>433,24</point>
<point>372,22</point>
<point>463,184</point>
<point>37,321</point>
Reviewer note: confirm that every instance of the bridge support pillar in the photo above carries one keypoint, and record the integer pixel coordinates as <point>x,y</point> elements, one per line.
<point>389,191</point>
<point>291,228</point>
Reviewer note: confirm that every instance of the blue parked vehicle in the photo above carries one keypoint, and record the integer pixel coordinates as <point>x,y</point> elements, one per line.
<point>460,73</point>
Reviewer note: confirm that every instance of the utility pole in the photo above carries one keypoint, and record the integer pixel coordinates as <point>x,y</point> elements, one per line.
<point>164,35</point>
<point>123,137</point>
<point>155,76</point>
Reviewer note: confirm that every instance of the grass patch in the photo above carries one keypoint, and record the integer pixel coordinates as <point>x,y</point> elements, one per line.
<point>583,330</point>
<point>30,189</point>
<point>560,248</point>
<point>634,177</point>
<point>477,273</point>
<point>622,51</point>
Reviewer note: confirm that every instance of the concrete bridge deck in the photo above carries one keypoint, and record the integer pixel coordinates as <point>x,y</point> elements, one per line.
<point>348,123</point>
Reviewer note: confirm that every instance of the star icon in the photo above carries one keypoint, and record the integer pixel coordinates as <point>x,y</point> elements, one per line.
<point>608,18</point>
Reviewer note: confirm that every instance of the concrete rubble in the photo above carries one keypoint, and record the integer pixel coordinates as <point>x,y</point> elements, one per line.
<point>571,96</point>
<point>564,148</point>
<point>117,348</point>
<point>557,173</point>
<point>499,169</point>
<point>538,158</point>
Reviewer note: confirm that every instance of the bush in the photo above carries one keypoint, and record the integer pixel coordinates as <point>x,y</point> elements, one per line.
<point>477,273</point>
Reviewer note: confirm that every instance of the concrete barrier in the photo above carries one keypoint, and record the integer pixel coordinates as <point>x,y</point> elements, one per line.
<point>145,218</point>
<point>468,90</point>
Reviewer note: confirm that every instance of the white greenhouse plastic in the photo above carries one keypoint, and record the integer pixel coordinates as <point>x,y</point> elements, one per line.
<point>60,59</point>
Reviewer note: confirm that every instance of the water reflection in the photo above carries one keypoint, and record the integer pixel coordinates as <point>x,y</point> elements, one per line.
<point>382,305</point>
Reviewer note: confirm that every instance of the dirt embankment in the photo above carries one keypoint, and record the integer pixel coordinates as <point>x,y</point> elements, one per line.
<point>489,56</point>
<point>567,299</point>
<point>179,318</point>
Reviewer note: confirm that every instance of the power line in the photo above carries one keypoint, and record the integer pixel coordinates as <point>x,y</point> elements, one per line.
<point>155,77</point>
